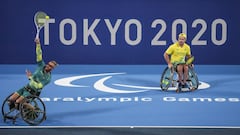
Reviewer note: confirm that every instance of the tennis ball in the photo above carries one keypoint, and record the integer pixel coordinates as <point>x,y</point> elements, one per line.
<point>47,17</point>
<point>165,82</point>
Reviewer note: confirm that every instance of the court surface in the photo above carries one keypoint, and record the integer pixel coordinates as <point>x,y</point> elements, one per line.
<point>130,96</point>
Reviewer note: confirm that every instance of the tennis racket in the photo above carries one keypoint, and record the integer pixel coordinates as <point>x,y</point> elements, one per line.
<point>40,20</point>
<point>190,60</point>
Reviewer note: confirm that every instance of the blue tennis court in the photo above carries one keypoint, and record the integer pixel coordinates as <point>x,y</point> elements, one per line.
<point>111,61</point>
<point>129,95</point>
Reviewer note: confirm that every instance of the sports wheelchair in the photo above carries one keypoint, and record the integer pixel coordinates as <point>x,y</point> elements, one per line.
<point>32,110</point>
<point>169,79</point>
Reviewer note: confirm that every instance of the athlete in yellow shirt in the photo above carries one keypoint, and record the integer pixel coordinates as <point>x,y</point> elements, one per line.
<point>176,56</point>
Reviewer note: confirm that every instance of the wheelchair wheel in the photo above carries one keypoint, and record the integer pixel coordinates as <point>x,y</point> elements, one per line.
<point>33,110</point>
<point>192,79</point>
<point>12,114</point>
<point>5,107</point>
<point>166,78</point>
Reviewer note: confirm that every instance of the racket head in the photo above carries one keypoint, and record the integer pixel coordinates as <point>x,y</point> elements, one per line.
<point>40,19</point>
<point>190,60</point>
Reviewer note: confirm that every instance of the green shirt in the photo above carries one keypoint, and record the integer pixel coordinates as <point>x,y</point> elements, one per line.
<point>39,78</point>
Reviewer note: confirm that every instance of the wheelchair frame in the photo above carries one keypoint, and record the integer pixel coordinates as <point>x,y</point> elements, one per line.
<point>32,110</point>
<point>169,79</point>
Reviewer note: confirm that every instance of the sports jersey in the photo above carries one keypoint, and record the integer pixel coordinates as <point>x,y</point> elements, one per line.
<point>39,78</point>
<point>178,53</point>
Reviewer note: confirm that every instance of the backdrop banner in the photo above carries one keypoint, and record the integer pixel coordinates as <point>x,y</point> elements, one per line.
<point>120,31</point>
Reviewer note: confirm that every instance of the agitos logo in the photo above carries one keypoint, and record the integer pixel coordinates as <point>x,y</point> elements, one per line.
<point>100,84</point>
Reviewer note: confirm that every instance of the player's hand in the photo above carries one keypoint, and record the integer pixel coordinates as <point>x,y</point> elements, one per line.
<point>28,73</point>
<point>37,40</point>
<point>170,65</point>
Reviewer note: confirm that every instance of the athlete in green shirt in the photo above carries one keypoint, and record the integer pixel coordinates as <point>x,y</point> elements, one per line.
<point>40,78</point>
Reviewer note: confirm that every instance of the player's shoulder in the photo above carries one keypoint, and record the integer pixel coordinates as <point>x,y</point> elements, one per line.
<point>41,63</point>
<point>186,45</point>
<point>173,45</point>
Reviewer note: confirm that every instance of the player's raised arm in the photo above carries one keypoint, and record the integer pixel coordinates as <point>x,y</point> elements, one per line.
<point>38,50</point>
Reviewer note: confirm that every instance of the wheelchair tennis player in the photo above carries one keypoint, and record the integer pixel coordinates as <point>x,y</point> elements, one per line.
<point>176,56</point>
<point>40,78</point>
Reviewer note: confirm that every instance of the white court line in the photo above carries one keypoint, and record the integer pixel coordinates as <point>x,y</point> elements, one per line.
<point>207,127</point>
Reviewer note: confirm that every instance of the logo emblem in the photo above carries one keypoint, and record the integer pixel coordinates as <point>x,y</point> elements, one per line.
<point>100,84</point>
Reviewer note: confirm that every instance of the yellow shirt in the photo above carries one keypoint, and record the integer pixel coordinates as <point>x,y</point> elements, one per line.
<point>178,53</point>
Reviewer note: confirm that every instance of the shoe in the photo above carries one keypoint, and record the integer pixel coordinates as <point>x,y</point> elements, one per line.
<point>186,86</point>
<point>179,89</point>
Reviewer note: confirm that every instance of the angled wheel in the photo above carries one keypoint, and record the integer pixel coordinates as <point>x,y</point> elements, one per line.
<point>5,107</point>
<point>166,78</point>
<point>33,110</point>
<point>8,113</point>
<point>192,79</point>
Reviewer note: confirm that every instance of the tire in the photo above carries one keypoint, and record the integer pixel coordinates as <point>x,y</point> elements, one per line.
<point>33,110</point>
<point>166,79</point>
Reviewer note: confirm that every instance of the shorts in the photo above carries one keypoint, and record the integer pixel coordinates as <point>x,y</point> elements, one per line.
<point>175,64</point>
<point>24,92</point>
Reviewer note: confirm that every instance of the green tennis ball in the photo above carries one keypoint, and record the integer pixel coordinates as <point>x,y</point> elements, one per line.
<point>165,82</point>
<point>47,17</point>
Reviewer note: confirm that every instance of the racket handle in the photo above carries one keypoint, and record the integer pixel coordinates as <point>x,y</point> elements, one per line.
<point>37,35</point>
